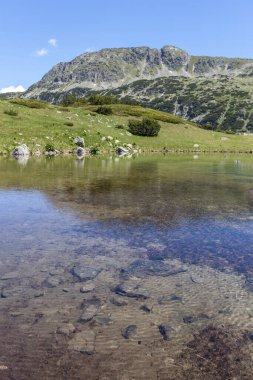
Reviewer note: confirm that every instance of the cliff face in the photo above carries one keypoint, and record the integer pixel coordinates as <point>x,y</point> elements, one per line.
<point>111,68</point>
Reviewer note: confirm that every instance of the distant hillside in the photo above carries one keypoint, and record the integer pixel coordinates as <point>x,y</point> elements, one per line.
<point>207,90</point>
<point>224,103</point>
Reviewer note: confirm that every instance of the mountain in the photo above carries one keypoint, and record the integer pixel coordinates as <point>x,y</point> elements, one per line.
<point>208,90</point>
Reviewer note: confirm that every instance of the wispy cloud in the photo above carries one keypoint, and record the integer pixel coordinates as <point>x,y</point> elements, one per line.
<point>53,42</point>
<point>41,52</point>
<point>89,50</point>
<point>12,89</point>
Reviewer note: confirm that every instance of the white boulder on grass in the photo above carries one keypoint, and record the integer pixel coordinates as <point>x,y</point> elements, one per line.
<point>21,150</point>
<point>79,141</point>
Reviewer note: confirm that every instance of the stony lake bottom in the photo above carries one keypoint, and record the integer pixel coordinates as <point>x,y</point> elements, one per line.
<point>126,268</point>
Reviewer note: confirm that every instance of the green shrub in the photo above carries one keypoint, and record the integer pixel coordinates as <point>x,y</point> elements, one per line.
<point>68,100</point>
<point>120,126</point>
<point>94,149</point>
<point>69,124</point>
<point>145,127</point>
<point>31,103</point>
<point>230,132</point>
<point>63,109</point>
<point>104,110</point>
<point>11,113</point>
<point>49,147</point>
<point>101,100</point>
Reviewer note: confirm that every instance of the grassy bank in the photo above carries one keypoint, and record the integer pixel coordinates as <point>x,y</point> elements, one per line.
<point>46,124</point>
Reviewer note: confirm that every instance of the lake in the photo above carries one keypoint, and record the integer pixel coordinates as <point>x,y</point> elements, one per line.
<point>126,268</point>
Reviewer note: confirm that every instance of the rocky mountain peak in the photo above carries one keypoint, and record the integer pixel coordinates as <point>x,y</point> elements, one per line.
<point>113,67</point>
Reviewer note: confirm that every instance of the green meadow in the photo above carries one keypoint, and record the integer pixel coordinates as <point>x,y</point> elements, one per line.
<point>38,124</point>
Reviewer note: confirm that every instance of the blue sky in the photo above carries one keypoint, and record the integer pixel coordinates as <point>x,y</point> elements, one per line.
<point>202,27</point>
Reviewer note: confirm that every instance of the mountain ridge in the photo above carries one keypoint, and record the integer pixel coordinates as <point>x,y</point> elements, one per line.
<point>208,90</point>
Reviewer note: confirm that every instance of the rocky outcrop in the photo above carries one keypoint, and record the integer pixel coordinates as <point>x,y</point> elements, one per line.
<point>111,68</point>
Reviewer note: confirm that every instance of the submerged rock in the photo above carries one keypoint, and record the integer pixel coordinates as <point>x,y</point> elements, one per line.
<point>84,273</point>
<point>129,331</point>
<point>21,150</point>
<point>89,312</point>
<point>103,319</point>
<point>52,282</point>
<point>87,287</point>
<point>83,342</point>
<point>118,301</point>
<point>66,329</point>
<point>131,289</point>
<point>90,308</point>
<point>170,298</point>
<point>146,308</point>
<point>12,292</point>
<point>165,331</point>
<point>143,268</point>
<point>249,283</point>
<point>10,276</point>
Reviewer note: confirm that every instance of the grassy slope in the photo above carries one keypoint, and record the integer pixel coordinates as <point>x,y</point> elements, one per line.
<point>47,125</point>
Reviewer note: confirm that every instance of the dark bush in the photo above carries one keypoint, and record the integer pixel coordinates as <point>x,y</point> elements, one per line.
<point>49,147</point>
<point>69,124</point>
<point>11,113</point>
<point>94,150</point>
<point>145,127</point>
<point>104,110</point>
<point>120,126</point>
<point>68,100</point>
<point>101,100</point>
<point>30,103</point>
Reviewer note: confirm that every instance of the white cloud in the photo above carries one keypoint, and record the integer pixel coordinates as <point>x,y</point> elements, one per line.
<point>41,52</point>
<point>89,50</point>
<point>53,42</point>
<point>12,89</point>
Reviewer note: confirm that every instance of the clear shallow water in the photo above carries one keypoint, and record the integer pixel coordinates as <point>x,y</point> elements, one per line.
<point>167,241</point>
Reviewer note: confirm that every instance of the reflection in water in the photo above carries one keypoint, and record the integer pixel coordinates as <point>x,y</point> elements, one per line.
<point>126,268</point>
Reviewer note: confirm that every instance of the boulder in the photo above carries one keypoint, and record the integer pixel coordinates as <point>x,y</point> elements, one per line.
<point>66,329</point>
<point>166,331</point>
<point>90,309</point>
<point>87,287</point>
<point>80,152</point>
<point>79,141</point>
<point>129,331</point>
<point>120,150</point>
<point>131,289</point>
<point>84,273</point>
<point>21,150</point>
<point>142,268</point>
